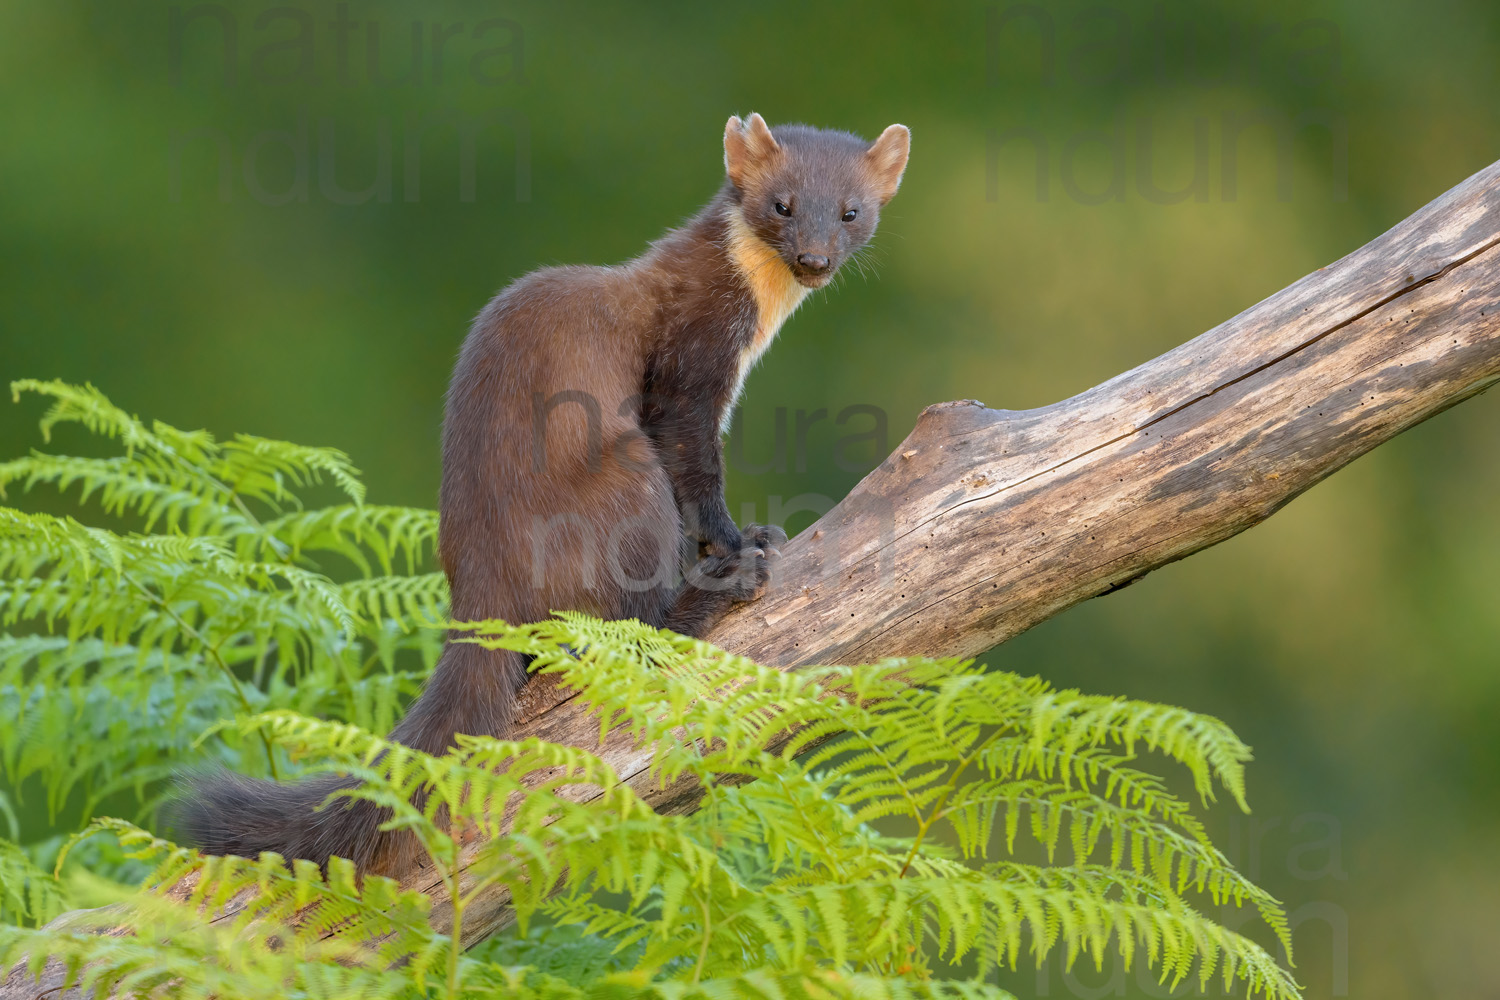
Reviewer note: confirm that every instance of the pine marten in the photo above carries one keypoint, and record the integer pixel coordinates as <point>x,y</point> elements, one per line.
<point>582,454</point>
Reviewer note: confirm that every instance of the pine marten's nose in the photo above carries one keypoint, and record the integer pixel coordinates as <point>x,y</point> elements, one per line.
<point>816,263</point>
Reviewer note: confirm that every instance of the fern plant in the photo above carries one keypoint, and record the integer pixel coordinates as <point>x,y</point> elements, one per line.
<point>123,646</point>
<point>862,830</point>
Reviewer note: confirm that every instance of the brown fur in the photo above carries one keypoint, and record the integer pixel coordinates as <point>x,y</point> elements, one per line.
<point>582,454</point>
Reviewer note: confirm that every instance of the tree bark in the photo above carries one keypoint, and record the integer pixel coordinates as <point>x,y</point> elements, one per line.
<point>985,522</point>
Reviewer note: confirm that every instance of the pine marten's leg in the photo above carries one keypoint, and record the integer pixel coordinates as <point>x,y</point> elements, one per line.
<point>682,412</point>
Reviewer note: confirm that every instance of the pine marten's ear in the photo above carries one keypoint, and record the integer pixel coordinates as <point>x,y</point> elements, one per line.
<point>886,160</point>
<point>749,149</point>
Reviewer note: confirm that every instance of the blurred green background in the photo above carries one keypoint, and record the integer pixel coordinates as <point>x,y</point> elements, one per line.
<point>1352,640</point>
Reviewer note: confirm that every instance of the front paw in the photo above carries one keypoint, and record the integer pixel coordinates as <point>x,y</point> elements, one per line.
<point>763,536</point>
<point>741,576</point>
<point>760,550</point>
<point>751,573</point>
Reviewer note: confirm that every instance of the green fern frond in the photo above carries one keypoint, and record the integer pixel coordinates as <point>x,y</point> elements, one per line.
<point>935,742</point>
<point>545,832</point>
<point>262,468</point>
<point>124,486</point>
<point>27,894</point>
<point>411,602</point>
<point>88,406</point>
<point>131,714</point>
<point>654,681</point>
<point>215,608</point>
<point>247,466</point>
<point>250,961</point>
<point>380,922</point>
<point>358,531</point>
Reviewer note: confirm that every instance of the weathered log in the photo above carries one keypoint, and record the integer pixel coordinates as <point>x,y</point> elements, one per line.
<point>985,522</point>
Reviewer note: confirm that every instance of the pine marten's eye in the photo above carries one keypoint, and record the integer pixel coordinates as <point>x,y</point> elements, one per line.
<point>849,215</point>
<point>782,209</point>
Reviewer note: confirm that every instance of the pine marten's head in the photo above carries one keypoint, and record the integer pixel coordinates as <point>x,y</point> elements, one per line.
<point>812,195</point>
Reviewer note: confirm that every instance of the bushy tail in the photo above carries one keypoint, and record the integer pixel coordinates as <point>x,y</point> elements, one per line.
<point>472,690</point>
<point>231,814</point>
